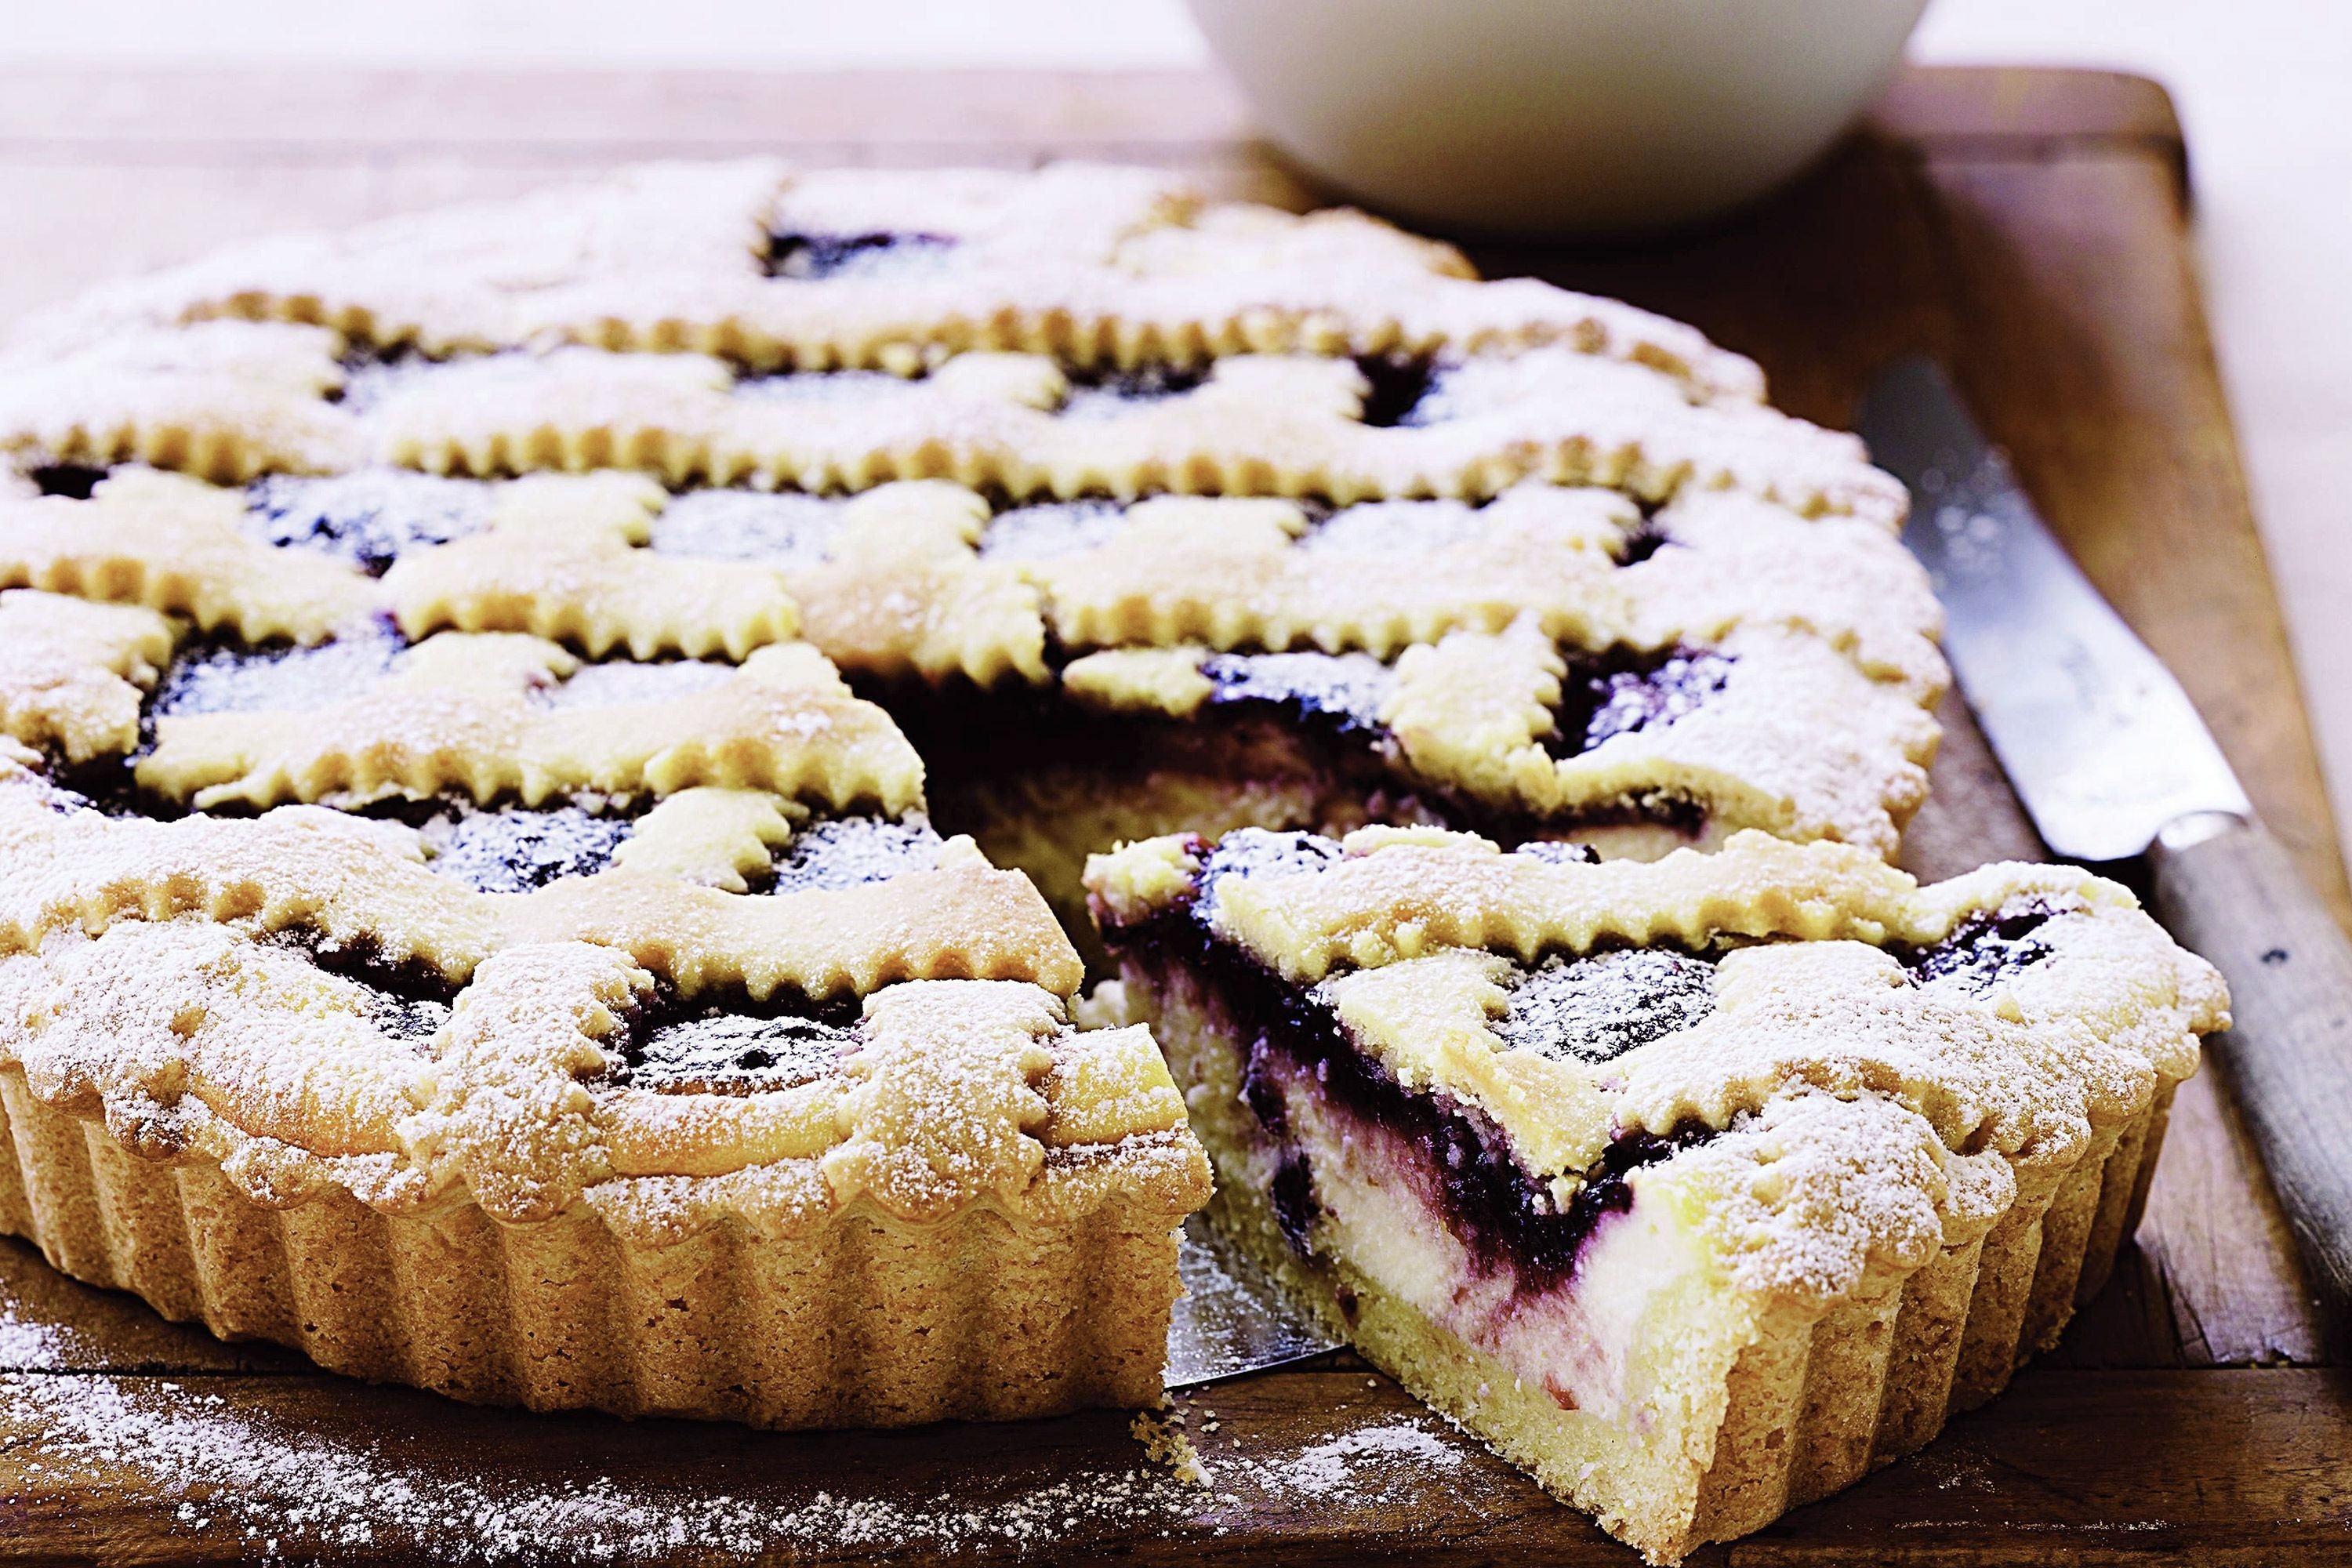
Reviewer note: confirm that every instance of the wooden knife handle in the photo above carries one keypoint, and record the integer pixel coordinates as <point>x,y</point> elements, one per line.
<point>2227,890</point>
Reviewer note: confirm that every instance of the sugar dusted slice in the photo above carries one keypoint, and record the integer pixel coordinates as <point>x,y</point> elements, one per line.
<point>1697,1187</point>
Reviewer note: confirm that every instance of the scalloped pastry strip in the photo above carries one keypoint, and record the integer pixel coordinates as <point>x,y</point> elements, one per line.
<point>1093,262</point>
<point>458,712</point>
<point>904,591</point>
<point>363,885</point>
<point>558,559</point>
<point>73,674</point>
<point>1796,740</point>
<point>1257,425</point>
<point>171,543</point>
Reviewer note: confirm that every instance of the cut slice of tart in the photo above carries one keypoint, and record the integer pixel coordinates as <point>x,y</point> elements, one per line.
<point>1695,1187</point>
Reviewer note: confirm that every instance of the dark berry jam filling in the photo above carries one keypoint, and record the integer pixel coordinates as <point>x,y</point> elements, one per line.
<point>1987,947</point>
<point>74,481</point>
<point>1643,541</point>
<point>407,998</point>
<point>1623,693</point>
<point>732,1046</point>
<point>1107,394</point>
<point>1342,693</point>
<point>1505,1218</point>
<point>806,256</point>
<point>850,851</point>
<point>211,675</point>
<point>515,850</point>
<point>1598,1007</point>
<point>1399,387</point>
<point>776,528</point>
<point>369,518</point>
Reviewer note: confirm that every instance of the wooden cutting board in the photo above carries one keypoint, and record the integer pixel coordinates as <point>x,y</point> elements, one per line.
<point>2027,225</point>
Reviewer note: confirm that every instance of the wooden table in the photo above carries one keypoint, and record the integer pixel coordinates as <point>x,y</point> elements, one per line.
<point>2026,225</point>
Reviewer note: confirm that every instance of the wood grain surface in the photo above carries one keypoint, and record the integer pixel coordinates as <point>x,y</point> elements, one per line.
<point>2028,226</point>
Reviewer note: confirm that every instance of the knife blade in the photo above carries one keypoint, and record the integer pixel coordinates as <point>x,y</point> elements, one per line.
<point>2112,760</point>
<point>1232,1317</point>
<point>2102,745</point>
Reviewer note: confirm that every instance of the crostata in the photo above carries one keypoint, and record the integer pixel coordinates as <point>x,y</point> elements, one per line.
<point>544,745</point>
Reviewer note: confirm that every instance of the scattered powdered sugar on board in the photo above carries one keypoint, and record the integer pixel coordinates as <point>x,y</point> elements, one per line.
<point>24,1343</point>
<point>1372,1458</point>
<point>287,1493</point>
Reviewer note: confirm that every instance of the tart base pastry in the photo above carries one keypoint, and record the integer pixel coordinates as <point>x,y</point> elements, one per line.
<point>859,1319</point>
<point>1696,1189</point>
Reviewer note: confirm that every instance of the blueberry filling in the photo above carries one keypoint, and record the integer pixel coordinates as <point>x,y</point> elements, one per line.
<point>849,851</point>
<point>806,256</point>
<point>369,518</point>
<point>1986,948</point>
<point>1641,541</point>
<point>731,1047</point>
<point>514,849</point>
<point>1559,852</point>
<point>1342,692</point>
<point>781,527</point>
<point>1399,389</point>
<point>1622,693</point>
<point>1505,1218</point>
<point>74,481</point>
<point>1598,1007</point>
<point>407,998</point>
<point>211,676</point>
<point>1108,394</point>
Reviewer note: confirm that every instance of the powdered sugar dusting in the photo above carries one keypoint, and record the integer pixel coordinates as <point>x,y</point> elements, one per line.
<point>1368,1457</point>
<point>285,1489</point>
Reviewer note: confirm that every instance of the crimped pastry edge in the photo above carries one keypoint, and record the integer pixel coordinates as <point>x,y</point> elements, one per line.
<point>864,1320</point>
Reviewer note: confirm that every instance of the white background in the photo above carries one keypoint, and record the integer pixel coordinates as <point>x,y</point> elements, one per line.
<point>2266,87</point>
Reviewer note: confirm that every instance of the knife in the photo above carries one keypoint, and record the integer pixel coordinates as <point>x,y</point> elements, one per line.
<point>2112,761</point>
<point>1233,1318</point>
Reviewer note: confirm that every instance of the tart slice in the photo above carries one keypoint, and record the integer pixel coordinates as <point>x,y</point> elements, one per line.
<point>1695,1187</point>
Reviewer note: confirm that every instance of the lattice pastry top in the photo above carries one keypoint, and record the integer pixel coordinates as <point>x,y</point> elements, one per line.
<point>560,521</point>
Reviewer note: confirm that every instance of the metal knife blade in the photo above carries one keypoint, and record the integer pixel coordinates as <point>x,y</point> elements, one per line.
<point>2101,744</point>
<point>1232,1317</point>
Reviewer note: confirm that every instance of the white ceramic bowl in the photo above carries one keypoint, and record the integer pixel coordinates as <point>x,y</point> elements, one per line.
<point>1557,117</point>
